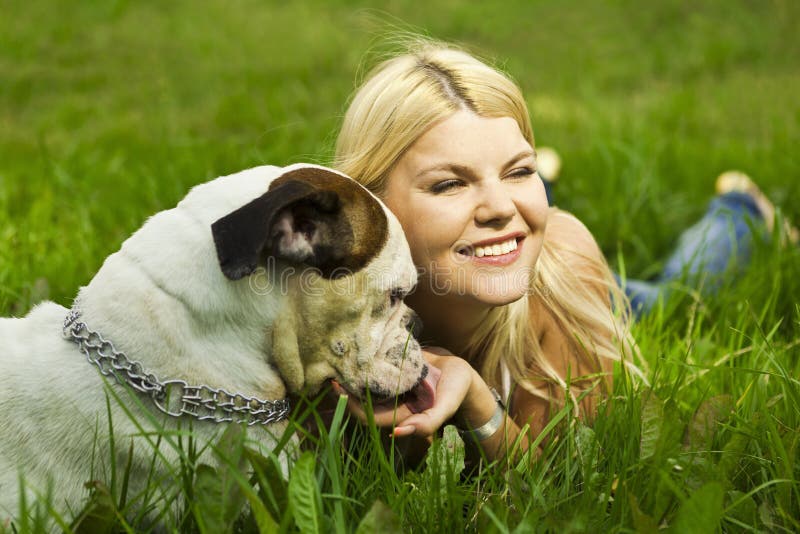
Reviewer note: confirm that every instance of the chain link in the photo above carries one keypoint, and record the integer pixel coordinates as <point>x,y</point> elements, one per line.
<point>172,397</point>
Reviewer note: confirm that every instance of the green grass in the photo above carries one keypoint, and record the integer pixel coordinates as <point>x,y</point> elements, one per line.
<point>110,111</point>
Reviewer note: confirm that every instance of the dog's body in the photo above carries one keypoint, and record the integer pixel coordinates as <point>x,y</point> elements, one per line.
<point>216,291</point>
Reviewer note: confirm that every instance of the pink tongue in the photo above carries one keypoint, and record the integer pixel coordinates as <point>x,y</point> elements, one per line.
<point>424,394</point>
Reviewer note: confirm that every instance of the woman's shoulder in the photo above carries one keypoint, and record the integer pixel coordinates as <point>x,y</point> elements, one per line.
<point>571,237</point>
<point>577,253</point>
<point>582,281</point>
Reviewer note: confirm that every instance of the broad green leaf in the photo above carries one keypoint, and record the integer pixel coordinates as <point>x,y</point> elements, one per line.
<point>766,513</point>
<point>732,453</point>
<point>218,496</point>
<point>641,521</point>
<point>273,488</point>
<point>304,494</point>
<point>701,512</point>
<point>264,521</point>
<point>446,457</point>
<point>706,419</point>
<point>736,447</point>
<point>746,511</point>
<point>272,491</point>
<point>99,515</point>
<point>230,447</point>
<point>380,518</point>
<point>699,438</point>
<point>453,446</point>
<point>209,500</point>
<point>651,421</point>
<point>586,443</point>
<point>232,468</point>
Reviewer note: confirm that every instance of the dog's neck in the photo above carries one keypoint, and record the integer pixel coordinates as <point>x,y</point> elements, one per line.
<point>218,346</point>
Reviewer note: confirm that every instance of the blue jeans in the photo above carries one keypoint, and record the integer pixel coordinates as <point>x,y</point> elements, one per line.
<point>720,242</point>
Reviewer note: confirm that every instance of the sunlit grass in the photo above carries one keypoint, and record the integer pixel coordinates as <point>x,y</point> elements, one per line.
<point>111,111</point>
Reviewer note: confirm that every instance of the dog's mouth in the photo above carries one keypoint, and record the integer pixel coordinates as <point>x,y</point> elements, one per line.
<point>419,398</point>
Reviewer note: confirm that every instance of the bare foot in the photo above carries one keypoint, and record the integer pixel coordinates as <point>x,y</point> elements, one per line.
<point>738,181</point>
<point>548,163</point>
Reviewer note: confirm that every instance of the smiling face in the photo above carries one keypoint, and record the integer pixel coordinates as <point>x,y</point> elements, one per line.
<point>472,207</point>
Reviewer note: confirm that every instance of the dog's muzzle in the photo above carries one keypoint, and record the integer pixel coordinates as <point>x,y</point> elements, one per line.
<point>413,323</point>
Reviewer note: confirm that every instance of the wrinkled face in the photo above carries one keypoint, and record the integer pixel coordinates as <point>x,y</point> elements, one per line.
<point>356,330</point>
<point>472,207</point>
<point>348,266</point>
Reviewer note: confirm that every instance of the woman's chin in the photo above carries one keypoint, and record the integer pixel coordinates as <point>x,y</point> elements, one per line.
<point>495,300</point>
<point>501,290</point>
<point>473,297</point>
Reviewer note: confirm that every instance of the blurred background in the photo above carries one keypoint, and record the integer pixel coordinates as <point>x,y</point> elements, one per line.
<point>111,111</point>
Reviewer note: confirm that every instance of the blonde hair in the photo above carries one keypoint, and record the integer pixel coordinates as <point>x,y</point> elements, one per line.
<point>404,96</point>
<point>401,99</point>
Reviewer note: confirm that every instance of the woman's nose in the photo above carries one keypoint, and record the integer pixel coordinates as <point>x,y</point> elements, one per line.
<point>495,205</point>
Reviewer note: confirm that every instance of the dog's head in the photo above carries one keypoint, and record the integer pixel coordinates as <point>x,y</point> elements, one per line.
<point>342,263</point>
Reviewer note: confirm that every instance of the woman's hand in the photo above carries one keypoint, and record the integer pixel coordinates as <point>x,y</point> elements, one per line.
<point>460,392</point>
<point>455,382</point>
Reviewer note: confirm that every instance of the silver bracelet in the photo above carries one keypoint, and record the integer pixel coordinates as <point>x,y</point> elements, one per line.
<point>490,427</point>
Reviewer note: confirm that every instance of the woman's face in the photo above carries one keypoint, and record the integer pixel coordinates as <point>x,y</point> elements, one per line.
<point>472,207</point>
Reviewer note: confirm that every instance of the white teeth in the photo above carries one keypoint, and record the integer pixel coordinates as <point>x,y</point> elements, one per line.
<point>496,250</point>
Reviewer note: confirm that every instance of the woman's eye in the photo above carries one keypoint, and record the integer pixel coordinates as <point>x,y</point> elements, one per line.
<point>522,172</point>
<point>445,185</point>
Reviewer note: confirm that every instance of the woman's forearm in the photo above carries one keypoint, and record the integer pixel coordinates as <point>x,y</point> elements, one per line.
<point>479,406</point>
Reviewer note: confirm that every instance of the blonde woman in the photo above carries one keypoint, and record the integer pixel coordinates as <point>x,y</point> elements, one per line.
<point>514,296</point>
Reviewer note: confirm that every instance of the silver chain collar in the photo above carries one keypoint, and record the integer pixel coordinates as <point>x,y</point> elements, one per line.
<point>172,397</point>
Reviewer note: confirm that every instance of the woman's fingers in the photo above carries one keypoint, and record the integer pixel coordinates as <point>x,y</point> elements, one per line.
<point>452,388</point>
<point>381,415</point>
<point>402,431</point>
<point>453,384</point>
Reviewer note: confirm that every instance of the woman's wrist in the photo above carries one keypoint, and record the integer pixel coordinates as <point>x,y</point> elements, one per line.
<point>490,427</point>
<point>480,406</point>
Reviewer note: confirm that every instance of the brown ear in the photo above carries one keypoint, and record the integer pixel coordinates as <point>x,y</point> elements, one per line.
<point>309,215</point>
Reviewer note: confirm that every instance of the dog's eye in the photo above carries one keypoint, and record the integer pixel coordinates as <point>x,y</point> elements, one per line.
<point>396,296</point>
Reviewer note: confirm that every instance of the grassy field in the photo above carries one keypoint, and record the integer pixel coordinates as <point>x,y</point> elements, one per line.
<point>111,111</point>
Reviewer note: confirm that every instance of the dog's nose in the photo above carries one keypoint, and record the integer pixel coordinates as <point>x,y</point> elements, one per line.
<point>413,323</point>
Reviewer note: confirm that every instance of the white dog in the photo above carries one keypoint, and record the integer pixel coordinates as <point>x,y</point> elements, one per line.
<point>257,285</point>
